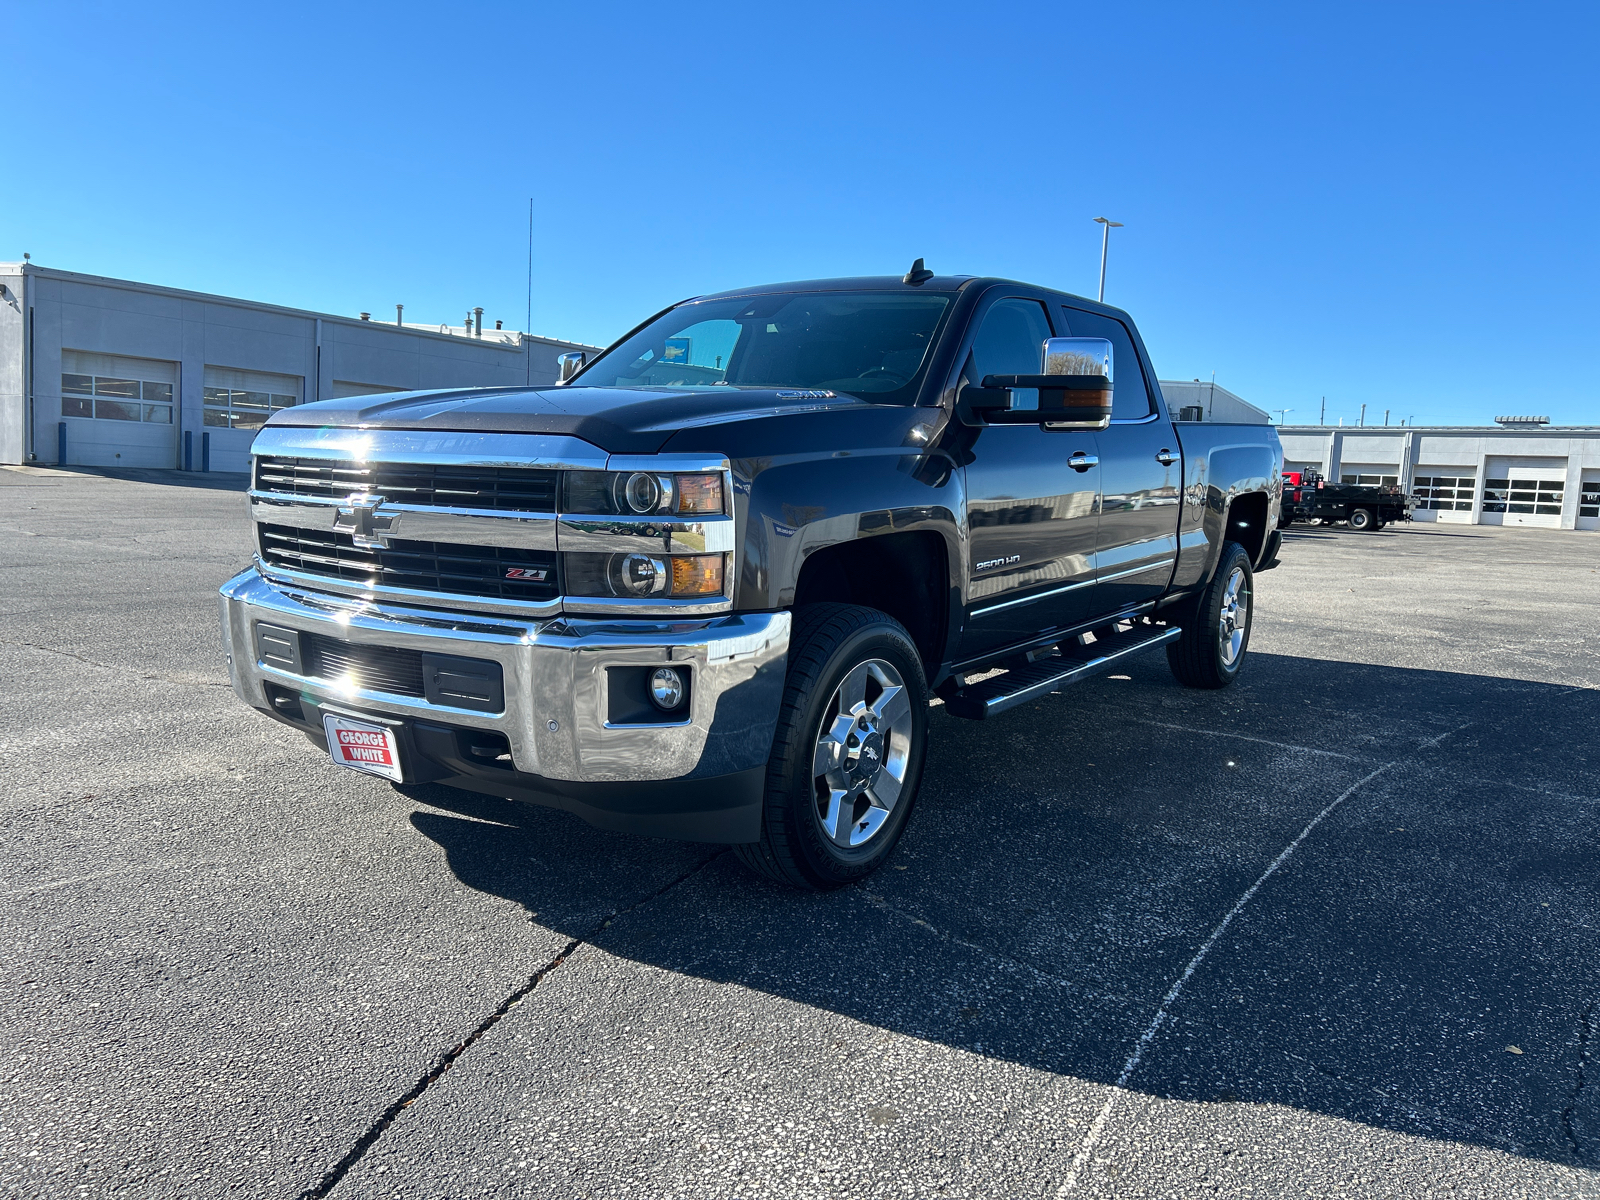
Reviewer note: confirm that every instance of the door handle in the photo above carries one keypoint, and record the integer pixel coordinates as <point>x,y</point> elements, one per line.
<point>1166,457</point>
<point>1082,462</point>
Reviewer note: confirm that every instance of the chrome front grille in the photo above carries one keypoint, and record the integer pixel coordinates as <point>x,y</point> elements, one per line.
<point>421,566</point>
<point>519,489</point>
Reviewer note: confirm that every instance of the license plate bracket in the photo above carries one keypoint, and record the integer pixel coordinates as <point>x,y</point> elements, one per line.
<point>363,746</point>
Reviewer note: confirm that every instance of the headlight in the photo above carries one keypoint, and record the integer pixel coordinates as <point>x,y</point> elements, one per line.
<point>643,493</point>
<point>644,576</point>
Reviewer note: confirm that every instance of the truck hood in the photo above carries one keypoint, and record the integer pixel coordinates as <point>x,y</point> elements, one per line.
<point>618,420</point>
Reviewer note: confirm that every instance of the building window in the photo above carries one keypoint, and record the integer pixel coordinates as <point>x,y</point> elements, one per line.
<point>1538,496</point>
<point>1589,498</point>
<point>237,399</point>
<point>233,408</point>
<point>1376,480</point>
<point>115,398</point>
<point>1446,493</point>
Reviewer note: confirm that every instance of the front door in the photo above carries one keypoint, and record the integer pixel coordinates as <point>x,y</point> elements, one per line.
<point>1141,476</point>
<point>1031,514</point>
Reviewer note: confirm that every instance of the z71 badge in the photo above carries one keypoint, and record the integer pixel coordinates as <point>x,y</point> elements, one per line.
<point>536,574</point>
<point>990,564</point>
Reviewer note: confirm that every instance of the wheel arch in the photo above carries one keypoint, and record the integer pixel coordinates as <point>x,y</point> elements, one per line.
<point>905,574</point>
<point>1247,524</point>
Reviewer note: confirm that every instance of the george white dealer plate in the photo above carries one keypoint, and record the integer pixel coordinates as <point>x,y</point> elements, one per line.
<point>364,747</point>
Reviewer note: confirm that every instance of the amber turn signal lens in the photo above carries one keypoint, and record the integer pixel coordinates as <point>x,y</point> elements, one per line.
<point>699,493</point>
<point>697,575</point>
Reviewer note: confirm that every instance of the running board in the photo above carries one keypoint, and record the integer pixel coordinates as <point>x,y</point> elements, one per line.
<point>1076,662</point>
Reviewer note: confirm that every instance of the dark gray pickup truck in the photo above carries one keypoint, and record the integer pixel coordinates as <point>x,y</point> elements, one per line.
<point>709,585</point>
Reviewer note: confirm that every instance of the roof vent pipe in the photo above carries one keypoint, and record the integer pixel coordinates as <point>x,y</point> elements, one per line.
<point>366,316</point>
<point>398,309</point>
<point>478,328</point>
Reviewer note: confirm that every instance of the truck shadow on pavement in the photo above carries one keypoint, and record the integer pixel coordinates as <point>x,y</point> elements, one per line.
<point>1422,962</point>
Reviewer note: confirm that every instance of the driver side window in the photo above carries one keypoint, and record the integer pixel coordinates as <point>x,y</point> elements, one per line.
<point>1011,342</point>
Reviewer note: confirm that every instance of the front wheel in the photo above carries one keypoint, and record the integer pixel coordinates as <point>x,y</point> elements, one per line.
<point>1216,632</point>
<point>847,753</point>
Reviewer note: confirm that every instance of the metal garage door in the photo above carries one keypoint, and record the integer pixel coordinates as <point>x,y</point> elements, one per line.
<point>1523,491</point>
<point>1444,493</point>
<point>1589,500</point>
<point>237,404</point>
<point>117,411</point>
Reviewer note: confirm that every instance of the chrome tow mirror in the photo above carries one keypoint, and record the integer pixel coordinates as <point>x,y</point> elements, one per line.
<point>568,365</point>
<point>1074,391</point>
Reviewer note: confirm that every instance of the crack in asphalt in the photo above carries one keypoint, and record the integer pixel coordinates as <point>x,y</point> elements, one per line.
<point>1585,1032</point>
<point>335,1174</point>
<point>119,670</point>
<point>1096,1129</point>
<point>1078,985</point>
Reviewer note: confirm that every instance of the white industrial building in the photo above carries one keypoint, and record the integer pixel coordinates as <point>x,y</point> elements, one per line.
<point>1519,472</point>
<point>111,373</point>
<point>1197,401</point>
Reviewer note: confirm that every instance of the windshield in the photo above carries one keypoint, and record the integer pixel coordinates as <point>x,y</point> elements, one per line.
<point>866,343</point>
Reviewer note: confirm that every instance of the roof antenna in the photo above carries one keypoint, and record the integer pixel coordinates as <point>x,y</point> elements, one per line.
<point>918,274</point>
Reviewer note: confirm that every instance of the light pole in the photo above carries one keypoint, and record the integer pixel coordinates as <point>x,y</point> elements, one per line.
<point>1282,413</point>
<point>1105,241</point>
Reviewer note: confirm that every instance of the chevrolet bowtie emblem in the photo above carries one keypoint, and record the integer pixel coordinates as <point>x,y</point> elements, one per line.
<point>367,527</point>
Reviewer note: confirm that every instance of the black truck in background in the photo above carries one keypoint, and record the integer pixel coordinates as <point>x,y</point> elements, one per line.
<point>709,585</point>
<point>1364,507</point>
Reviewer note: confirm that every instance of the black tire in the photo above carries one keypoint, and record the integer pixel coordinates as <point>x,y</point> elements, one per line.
<point>827,643</point>
<point>1361,519</point>
<point>1198,658</point>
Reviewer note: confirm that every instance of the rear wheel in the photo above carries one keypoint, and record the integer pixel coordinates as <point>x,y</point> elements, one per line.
<point>1216,633</point>
<point>1362,519</point>
<point>847,754</point>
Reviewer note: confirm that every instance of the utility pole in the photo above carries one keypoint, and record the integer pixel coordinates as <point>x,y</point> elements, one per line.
<point>527,326</point>
<point>1106,226</point>
<point>1363,419</point>
<point>1322,417</point>
<point>1386,418</point>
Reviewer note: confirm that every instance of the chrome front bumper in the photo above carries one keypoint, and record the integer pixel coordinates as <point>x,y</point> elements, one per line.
<point>555,674</point>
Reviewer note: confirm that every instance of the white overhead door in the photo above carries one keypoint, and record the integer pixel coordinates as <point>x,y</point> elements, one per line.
<point>237,404</point>
<point>1523,491</point>
<point>1384,474</point>
<point>1589,500</point>
<point>1444,494</point>
<point>344,388</point>
<point>118,411</point>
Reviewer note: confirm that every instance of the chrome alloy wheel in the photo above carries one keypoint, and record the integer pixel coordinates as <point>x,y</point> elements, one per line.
<point>863,751</point>
<point>1235,618</point>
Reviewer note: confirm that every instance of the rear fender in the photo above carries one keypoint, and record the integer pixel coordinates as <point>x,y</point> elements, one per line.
<point>1212,482</point>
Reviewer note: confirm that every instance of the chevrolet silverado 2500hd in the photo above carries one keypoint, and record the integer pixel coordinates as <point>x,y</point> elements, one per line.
<point>708,585</point>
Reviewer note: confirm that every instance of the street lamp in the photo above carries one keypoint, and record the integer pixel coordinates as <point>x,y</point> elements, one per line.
<point>1282,413</point>
<point>1105,241</point>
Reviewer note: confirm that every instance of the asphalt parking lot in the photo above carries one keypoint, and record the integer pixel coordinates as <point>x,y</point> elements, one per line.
<point>1331,932</point>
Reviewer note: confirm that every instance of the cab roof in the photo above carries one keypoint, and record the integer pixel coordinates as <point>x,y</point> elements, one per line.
<point>890,283</point>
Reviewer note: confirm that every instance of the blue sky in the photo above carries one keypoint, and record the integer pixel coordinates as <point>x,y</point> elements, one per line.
<point>1356,202</point>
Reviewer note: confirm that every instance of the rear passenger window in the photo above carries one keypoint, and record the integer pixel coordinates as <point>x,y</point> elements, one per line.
<point>1130,398</point>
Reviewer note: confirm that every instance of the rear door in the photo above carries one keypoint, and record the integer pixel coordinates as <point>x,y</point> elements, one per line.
<point>1141,475</point>
<point>1031,513</point>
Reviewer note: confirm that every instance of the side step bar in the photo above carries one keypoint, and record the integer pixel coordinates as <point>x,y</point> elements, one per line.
<point>1075,663</point>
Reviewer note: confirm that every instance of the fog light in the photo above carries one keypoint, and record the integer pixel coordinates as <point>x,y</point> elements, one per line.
<point>666,688</point>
